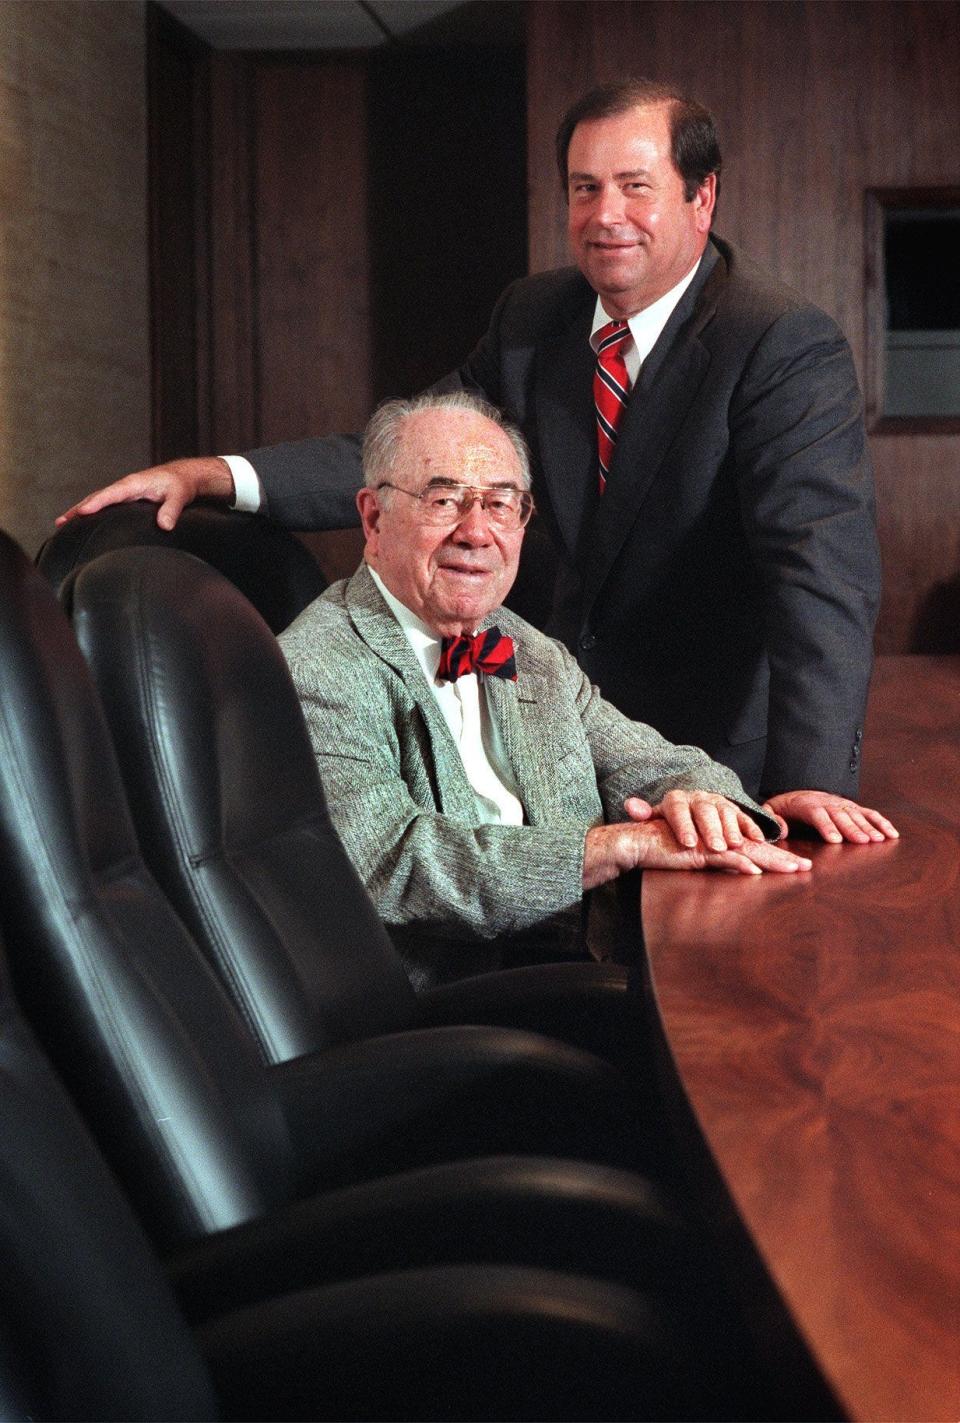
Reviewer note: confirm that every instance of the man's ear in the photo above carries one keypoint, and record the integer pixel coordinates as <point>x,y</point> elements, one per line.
<point>369,508</point>
<point>705,200</point>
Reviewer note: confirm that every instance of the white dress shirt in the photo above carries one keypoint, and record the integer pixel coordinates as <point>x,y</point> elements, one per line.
<point>464,707</point>
<point>645,326</point>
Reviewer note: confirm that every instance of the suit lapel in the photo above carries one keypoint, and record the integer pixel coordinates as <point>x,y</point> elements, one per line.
<point>565,421</point>
<point>661,400</point>
<point>378,628</point>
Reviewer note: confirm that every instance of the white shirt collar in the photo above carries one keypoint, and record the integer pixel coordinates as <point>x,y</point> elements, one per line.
<point>646,325</point>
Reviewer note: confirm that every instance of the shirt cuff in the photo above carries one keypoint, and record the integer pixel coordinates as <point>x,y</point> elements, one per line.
<point>247,490</point>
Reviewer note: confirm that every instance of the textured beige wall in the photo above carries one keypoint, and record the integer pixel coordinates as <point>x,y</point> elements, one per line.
<point>74,333</point>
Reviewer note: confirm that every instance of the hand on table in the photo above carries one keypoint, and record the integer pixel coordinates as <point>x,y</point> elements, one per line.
<point>649,840</point>
<point>835,817</point>
<point>699,818</point>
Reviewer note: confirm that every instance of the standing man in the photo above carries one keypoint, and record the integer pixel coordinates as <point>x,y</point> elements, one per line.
<point>707,544</point>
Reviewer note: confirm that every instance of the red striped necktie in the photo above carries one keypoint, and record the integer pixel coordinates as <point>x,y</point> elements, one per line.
<point>490,652</point>
<point>611,391</point>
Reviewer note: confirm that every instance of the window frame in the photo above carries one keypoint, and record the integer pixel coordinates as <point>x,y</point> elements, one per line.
<point>880,201</point>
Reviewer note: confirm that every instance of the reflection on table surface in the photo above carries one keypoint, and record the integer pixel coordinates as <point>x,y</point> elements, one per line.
<point>814,1022</point>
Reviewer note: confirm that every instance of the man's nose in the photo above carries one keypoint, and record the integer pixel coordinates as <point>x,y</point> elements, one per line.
<point>611,205</point>
<point>474,526</point>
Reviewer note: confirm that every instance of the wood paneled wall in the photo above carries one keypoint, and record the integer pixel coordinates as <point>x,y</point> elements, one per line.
<point>310,243</point>
<point>289,289</point>
<point>448,203</point>
<point>345,246</point>
<point>178,99</point>
<point>817,100</point>
<point>312,281</point>
<point>259,246</point>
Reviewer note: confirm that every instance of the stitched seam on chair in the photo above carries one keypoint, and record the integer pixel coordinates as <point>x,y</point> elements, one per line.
<point>237,985</point>
<point>74,908</point>
<point>154,741</point>
<point>223,963</point>
<point>313,822</point>
<point>205,905</point>
<point>177,822</point>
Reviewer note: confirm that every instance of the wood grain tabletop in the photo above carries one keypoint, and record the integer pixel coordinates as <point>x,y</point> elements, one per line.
<point>814,1023</point>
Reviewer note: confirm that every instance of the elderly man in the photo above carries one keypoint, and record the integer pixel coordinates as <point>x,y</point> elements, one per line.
<point>708,548</point>
<point>479,782</point>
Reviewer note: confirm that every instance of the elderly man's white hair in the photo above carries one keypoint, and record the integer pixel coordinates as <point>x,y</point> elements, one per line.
<point>383,431</point>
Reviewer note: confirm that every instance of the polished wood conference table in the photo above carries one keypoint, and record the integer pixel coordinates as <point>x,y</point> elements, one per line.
<point>814,1024</point>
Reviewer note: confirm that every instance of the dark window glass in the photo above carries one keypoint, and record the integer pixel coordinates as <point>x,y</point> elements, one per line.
<point>922,260</point>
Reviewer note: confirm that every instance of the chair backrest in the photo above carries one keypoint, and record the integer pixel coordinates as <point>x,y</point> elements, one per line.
<point>88,1325</point>
<point>152,1047</point>
<point>218,765</point>
<point>268,564</point>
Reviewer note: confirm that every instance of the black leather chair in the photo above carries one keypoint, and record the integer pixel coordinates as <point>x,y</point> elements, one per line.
<point>231,814</point>
<point>90,1329</point>
<point>268,564</point>
<point>202,1132</point>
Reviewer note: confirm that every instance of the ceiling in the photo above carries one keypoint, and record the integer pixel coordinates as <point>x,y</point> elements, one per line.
<point>344,24</point>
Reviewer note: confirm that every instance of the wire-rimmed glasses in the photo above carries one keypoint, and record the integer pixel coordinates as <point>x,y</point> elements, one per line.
<point>505,506</point>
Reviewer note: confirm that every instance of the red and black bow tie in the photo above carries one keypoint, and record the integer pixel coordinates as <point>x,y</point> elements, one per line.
<point>488,652</point>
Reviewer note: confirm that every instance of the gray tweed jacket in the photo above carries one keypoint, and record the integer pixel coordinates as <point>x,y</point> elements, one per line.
<point>401,802</point>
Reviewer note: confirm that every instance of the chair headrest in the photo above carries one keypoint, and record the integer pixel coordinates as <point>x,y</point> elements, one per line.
<point>268,564</point>
<point>189,672</point>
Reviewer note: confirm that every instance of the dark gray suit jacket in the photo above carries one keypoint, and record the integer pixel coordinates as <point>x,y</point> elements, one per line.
<point>725,588</point>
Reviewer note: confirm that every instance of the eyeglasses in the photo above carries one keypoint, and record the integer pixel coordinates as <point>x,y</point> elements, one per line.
<point>506,508</point>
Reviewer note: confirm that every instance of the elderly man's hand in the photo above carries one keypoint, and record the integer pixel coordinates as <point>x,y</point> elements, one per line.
<point>834,816</point>
<point>699,818</point>
<point>647,841</point>
<point>173,486</point>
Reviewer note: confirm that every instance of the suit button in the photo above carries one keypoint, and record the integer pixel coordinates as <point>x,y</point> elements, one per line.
<point>858,735</point>
<point>588,640</point>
